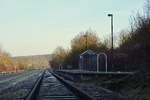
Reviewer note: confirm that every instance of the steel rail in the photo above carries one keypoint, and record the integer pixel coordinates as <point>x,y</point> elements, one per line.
<point>32,95</point>
<point>78,92</point>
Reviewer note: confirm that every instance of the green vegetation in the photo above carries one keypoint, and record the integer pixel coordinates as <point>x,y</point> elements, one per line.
<point>145,97</point>
<point>133,92</point>
<point>132,86</point>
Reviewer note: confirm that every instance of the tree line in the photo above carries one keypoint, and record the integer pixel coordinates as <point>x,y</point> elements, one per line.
<point>12,64</point>
<point>5,61</point>
<point>7,64</point>
<point>131,54</point>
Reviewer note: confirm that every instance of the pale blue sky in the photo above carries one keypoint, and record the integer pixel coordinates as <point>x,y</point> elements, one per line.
<point>30,27</point>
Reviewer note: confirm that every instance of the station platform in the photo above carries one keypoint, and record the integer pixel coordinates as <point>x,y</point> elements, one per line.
<point>76,75</point>
<point>95,72</point>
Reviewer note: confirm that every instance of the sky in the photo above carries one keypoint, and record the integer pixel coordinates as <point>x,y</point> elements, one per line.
<point>32,27</point>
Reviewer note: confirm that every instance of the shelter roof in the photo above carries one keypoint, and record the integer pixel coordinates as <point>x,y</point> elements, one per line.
<point>88,52</point>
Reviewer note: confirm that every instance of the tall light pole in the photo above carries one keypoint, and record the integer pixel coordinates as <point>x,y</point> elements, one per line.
<point>86,41</point>
<point>86,49</point>
<point>112,42</point>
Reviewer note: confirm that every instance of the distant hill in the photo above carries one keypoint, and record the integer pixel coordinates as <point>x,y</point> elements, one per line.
<point>34,60</point>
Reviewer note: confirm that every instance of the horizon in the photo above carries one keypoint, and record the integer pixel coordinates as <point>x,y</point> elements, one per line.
<point>37,27</point>
<point>32,55</point>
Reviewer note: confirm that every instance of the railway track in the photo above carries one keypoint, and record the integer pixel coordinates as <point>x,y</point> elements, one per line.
<point>48,87</point>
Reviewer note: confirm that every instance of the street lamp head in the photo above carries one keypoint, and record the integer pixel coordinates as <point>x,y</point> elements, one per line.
<point>110,14</point>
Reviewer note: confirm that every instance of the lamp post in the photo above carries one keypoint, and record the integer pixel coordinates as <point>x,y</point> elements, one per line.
<point>86,49</point>
<point>112,46</point>
<point>86,41</point>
